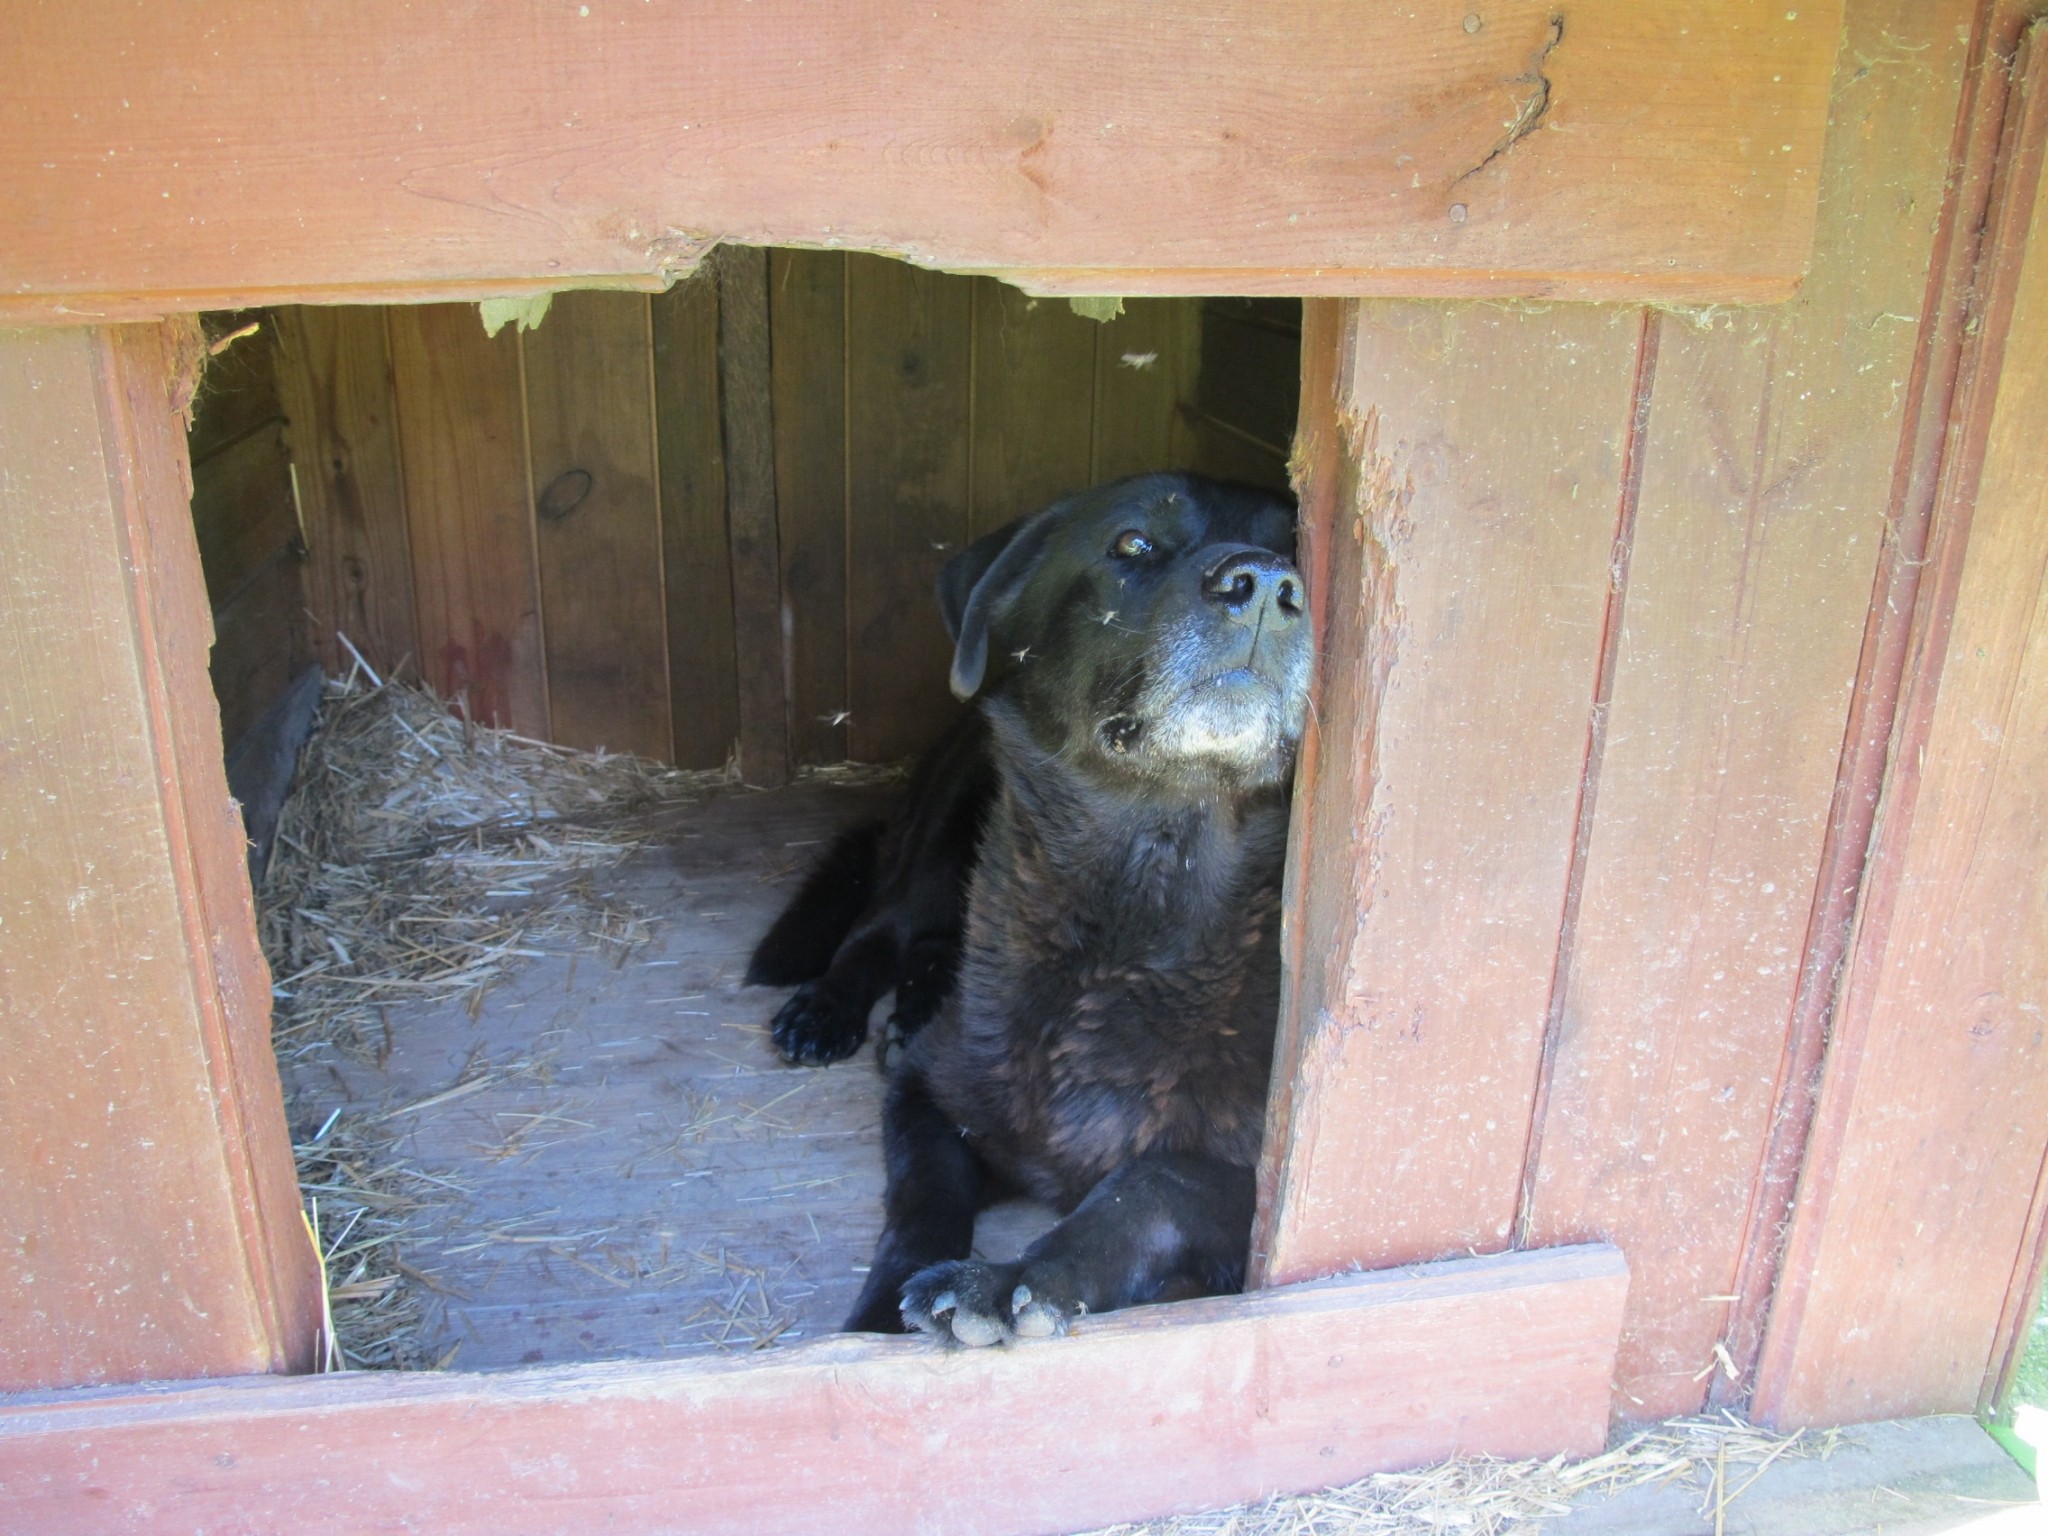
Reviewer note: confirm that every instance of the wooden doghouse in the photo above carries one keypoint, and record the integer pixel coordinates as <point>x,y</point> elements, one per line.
<point>1667,881</point>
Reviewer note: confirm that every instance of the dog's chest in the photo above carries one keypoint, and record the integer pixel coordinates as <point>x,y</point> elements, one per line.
<point>1074,1045</point>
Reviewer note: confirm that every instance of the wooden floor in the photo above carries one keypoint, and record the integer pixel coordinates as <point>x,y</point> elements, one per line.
<point>631,1171</point>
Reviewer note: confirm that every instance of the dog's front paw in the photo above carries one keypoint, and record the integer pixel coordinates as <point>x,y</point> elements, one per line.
<point>1045,1302</point>
<point>962,1301</point>
<point>818,1026</point>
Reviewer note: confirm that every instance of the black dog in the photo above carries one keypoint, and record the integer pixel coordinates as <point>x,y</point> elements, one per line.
<point>1110,814</point>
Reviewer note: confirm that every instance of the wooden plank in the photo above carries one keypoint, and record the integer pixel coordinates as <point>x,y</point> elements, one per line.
<point>259,643</point>
<point>908,336</point>
<point>145,384</point>
<point>597,525</point>
<point>696,559</point>
<point>1250,371</point>
<point>1247,396</point>
<point>1924,1172</point>
<point>1772,437</point>
<point>1148,361</point>
<point>152,1207</point>
<point>807,318</point>
<point>335,379</point>
<point>461,422</point>
<point>1327,469</point>
<point>747,407</point>
<point>1633,151</point>
<point>1298,1389</point>
<point>1945,322</point>
<point>1033,417</point>
<point>1467,596</point>
<point>242,510</point>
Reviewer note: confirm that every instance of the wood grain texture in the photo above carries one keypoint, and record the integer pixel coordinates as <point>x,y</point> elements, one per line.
<point>1147,362</point>
<point>1034,403</point>
<point>696,556</point>
<point>469,513</point>
<point>1246,1395</point>
<point>1325,471</point>
<point>242,510</point>
<point>1946,320</point>
<point>335,382</point>
<point>1639,152</point>
<point>597,526</point>
<point>1924,1173</point>
<point>747,409</point>
<point>1246,395</point>
<point>146,1171</point>
<point>1466,595</point>
<point>908,367</point>
<point>807,320</point>
<point>260,641</point>
<point>145,378</point>
<point>1772,437</point>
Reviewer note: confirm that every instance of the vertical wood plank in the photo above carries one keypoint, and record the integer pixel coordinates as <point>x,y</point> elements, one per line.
<point>1772,439</point>
<point>1924,1175</point>
<point>1946,323</point>
<point>696,555</point>
<point>1246,398</point>
<point>1467,595</point>
<point>597,523</point>
<point>747,407</point>
<point>1034,384</point>
<point>1326,475</point>
<point>1148,362</point>
<point>469,513</point>
<point>907,468</point>
<point>334,380</point>
<point>147,1169</point>
<point>807,310</point>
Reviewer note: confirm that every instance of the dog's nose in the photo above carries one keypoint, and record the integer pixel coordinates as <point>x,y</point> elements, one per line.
<point>1254,585</point>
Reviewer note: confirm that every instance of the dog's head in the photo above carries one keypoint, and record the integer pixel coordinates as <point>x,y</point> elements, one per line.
<point>1152,629</point>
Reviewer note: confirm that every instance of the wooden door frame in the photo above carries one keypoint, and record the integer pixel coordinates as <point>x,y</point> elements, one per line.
<point>1309,1385</point>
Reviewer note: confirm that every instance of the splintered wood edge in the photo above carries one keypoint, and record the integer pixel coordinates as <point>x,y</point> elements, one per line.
<point>1161,1409</point>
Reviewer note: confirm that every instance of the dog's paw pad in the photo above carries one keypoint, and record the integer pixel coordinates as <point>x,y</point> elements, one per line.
<point>1040,1317</point>
<point>817,1027</point>
<point>957,1303</point>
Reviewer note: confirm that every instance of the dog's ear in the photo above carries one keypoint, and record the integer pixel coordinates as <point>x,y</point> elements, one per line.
<point>978,583</point>
<point>957,579</point>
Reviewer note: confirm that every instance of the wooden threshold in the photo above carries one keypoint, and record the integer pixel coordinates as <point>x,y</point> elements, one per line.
<point>1162,1409</point>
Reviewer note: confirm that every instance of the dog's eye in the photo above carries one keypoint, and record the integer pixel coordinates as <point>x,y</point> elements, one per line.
<point>1131,545</point>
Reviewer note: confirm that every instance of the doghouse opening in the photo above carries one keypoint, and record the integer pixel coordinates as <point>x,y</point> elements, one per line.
<point>700,528</point>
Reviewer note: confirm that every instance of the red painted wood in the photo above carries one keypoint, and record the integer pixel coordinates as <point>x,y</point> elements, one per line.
<point>164,159</point>
<point>152,1213</point>
<point>1767,468</point>
<point>1143,1413</point>
<point>1466,571</point>
<point>1944,320</point>
<point>1923,1176</point>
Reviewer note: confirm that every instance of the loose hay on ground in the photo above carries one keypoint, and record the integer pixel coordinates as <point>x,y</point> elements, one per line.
<point>420,855</point>
<point>1480,1496</point>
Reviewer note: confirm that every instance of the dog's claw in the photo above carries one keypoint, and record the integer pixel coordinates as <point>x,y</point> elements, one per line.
<point>956,1303</point>
<point>817,1027</point>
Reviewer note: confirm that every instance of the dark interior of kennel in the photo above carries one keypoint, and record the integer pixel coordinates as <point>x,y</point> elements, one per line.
<point>569,525</point>
<point>652,524</point>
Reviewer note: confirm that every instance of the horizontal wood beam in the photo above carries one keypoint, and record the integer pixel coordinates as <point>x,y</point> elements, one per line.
<point>1161,1409</point>
<point>160,159</point>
